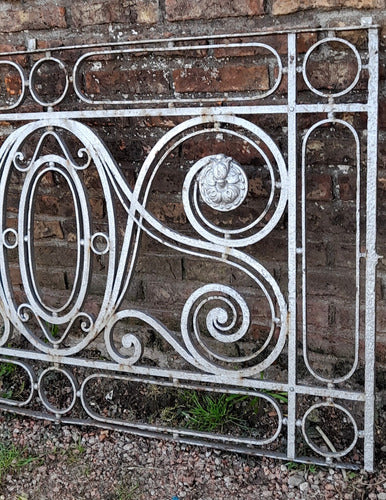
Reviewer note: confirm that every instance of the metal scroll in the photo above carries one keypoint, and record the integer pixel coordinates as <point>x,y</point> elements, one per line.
<point>213,346</point>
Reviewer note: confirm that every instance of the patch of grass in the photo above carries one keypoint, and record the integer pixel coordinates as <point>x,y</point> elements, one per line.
<point>125,492</point>
<point>75,452</point>
<point>212,412</point>
<point>13,458</point>
<point>53,331</point>
<point>7,369</point>
<point>309,468</point>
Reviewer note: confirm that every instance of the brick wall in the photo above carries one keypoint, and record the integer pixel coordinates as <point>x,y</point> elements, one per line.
<point>165,278</point>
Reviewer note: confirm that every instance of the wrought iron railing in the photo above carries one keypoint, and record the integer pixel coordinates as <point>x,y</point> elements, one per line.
<point>54,341</point>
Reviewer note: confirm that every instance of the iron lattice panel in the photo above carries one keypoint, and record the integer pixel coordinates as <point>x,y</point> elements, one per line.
<point>30,337</point>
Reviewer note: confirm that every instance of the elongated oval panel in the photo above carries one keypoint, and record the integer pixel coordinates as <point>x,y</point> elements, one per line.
<point>330,198</point>
<point>37,152</point>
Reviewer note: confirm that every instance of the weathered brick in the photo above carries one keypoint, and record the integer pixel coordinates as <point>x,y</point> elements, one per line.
<point>179,10</point>
<point>52,205</point>
<point>382,113</point>
<point>281,7</point>
<point>226,79</point>
<point>332,75</point>
<point>168,212</point>
<point>47,229</point>
<point>278,42</point>
<point>54,257</point>
<point>12,83</point>
<point>6,47</point>
<point>206,145</point>
<point>347,187</point>
<point>332,282</point>
<point>304,41</point>
<point>113,11</point>
<point>168,265</point>
<point>143,11</point>
<point>127,82</point>
<point>319,187</point>
<point>37,18</point>
<point>90,13</point>
<point>97,207</point>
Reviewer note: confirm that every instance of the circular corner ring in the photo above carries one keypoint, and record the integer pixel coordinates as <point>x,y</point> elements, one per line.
<point>6,243</point>
<point>74,386</point>
<point>35,67</point>
<point>307,56</point>
<point>20,70</point>
<point>330,454</point>
<point>107,243</point>
<point>31,375</point>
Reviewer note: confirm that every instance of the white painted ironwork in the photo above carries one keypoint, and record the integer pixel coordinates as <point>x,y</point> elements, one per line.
<point>216,315</point>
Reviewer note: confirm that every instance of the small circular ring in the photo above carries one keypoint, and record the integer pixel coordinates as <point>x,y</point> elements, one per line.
<point>42,395</point>
<point>34,94</point>
<point>20,70</point>
<point>329,454</point>
<point>6,243</point>
<point>308,54</point>
<point>107,243</point>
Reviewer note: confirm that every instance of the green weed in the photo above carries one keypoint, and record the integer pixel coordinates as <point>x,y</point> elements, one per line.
<point>75,452</point>
<point>125,492</point>
<point>53,330</point>
<point>13,459</point>
<point>280,396</point>
<point>6,371</point>
<point>309,468</point>
<point>209,413</point>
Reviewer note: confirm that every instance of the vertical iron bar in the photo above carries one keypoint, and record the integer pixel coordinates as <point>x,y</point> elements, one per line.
<point>292,171</point>
<point>371,255</point>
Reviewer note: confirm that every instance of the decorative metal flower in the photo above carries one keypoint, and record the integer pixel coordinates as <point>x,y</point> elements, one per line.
<point>222,182</point>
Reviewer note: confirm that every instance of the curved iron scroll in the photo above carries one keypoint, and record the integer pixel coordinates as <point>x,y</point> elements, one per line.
<point>222,321</point>
<point>214,343</point>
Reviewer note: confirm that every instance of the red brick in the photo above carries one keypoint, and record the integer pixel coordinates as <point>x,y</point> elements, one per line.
<point>47,229</point>
<point>179,10</point>
<point>382,113</point>
<point>37,18</point>
<point>52,205</point>
<point>281,7</point>
<point>227,79</point>
<point>319,187</point>
<point>6,47</point>
<point>90,13</point>
<point>127,82</point>
<point>205,145</point>
<point>332,76</point>
<point>278,42</point>
<point>305,41</point>
<point>347,187</point>
<point>168,212</point>
<point>97,207</point>
<point>144,11</point>
<point>12,83</point>
<point>113,11</point>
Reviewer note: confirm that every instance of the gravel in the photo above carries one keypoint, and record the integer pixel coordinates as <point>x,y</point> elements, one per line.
<point>76,463</point>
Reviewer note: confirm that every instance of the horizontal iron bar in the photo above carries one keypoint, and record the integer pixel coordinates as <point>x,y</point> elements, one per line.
<point>168,437</point>
<point>186,111</point>
<point>189,39</point>
<point>177,375</point>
